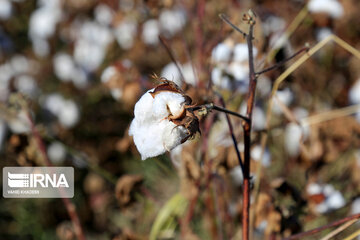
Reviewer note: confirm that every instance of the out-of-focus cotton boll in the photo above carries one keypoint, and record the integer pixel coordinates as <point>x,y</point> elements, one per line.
<point>292,139</point>
<point>125,33</point>
<point>53,103</point>
<point>63,66</point>
<point>335,200</point>
<point>256,155</point>
<point>26,85</point>
<point>263,86</point>
<point>220,79</point>
<point>237,176</point>
<point>20,64</point>
<point>354,93</point>
<point>154,134</point>
<point>20,124</point>
<point>66,111</point>
<point>108,73</point>
<point>313,189</point>
<point>285,96</point>
<point>40,46</point>
<point>88,55</point>
<point>56,152</point>
<point>259,119</point>
<point>103,14</point>
<point>172,21</point>
<point>170,71</point>
<point>273,24</point>
<point>43,22</point>
<point>323,33</point>
<point>331,7</point>
<point>239,71</point>
<point>221,53</point>
<point>5,9</point>
<point>189,73</point>
<point>241,52</point>
<point>80,78</point>
<point>69,114</point>
<point>96,34</point>
<point>355,206</point>
<point>2,133</point>
<point>150,32</point>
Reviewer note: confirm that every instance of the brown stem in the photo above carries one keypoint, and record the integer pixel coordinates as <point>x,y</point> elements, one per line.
<point>225,19</point>
<point>247,131</point>
<point>211,106</point>
<point>322,228</point>
<point>70,207</point>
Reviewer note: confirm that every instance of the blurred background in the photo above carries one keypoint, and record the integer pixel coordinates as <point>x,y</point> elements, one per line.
<point>79,66</point>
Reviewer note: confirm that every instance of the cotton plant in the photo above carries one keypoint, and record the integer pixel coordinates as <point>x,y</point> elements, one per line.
<point>163,120</point>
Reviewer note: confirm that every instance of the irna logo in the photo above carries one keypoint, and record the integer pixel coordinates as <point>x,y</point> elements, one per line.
<point>33,180</point>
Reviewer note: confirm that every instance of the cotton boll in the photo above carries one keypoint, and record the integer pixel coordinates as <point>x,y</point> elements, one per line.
<point>79,78</point>
<point>323,33</point>
<point>152,132</point>
<point>273,24</point>
<point>125,33</point>
<point>103,14</point>
<point>313,189</point>
<point>108,73</point>
<point>88,55</point>
<point>355,206</point>
<point>172,21</point>
<point>6,73</point>
<point>189,73</point>
<point>168,101</point>
<point>40,46</point>
<point>26,85</point>
<point>5,9</point>
<point>256,155</point>
<point>331,7</point>
<point>56,152</point>
<point>219,79</point>
<point>259,119</point>
<point>241,52</point>
<point>221,53</point>
<point>237,175</point>
<point>20,64</point>
<point>354,93</point>
<point>151,32</point>
<point>239,71</point>
<point>292,139</point>
<point>69,114</point>
<point>328,190</point>
<point>285,96</point>
<point>170,71</point>
<point>116,93</point>
<point>322,208</point>
<point>335,200</point>
<point>53,103</point>
<point>63,66</point>
<point>264,86</point>
<point>43,22</point>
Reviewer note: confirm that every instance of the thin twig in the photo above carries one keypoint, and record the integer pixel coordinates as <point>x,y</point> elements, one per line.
<point>225,19</point>
<point>281,63</point>
<point>172,56</point>
<point>339,229</point>
<point>231,130</point>
<point>322,228</point>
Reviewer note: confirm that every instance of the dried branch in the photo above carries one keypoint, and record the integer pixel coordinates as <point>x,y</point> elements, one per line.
<point>225,19</point>
<point>322,228</point>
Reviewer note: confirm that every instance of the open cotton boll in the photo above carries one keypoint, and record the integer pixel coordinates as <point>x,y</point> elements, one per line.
<point>20,124</point>
<point>5,9</point>
<point>20,64</point>
<point>354,93</point>
<point>313,189</point>
<point>56,152</point>
<point>69,114</point>
<point>189,73</point>
<point>285,96</point>
<point>292,139</point>
<point>153,133</point>
<point>335,200</point>
<point>63,66</point>
<point>331,7</point>
<point>355,206</point>
<point>103,14</point>
<point>172,21</point>
<point>241,52</point>
<point>221,53</point>
<point>256,155</point>
<point>26,85</point>
<point>237,175</point>
<point>125,33</point>
<point>151,32</point>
